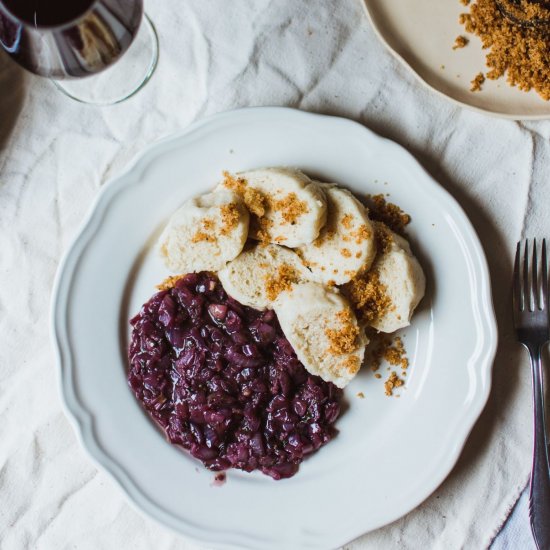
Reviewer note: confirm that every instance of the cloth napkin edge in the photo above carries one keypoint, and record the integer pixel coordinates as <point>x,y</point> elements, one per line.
<point>502,520</point>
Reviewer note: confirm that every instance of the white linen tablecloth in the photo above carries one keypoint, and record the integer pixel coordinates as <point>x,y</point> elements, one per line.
<point>317,55</point>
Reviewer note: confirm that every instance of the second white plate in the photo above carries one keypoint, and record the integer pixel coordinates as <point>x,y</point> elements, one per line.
<point>421,35</point>
<point>390,453</point>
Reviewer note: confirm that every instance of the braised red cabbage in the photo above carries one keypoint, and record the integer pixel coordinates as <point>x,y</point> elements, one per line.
<point>223,382</point>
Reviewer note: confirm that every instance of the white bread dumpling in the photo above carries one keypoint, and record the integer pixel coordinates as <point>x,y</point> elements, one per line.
<point>323,330</point>
<point>287,207</point>
<point>257,275</point>
<point>346,244</point>
<point>205,233</point>
<point>401,276</point>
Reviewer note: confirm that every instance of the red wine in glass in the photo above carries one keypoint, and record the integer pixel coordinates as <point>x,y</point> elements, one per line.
<point>64,39</point>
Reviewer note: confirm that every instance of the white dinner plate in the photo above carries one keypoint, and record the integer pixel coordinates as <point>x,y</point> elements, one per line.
<point>421,34</point>
<point>390,453</point>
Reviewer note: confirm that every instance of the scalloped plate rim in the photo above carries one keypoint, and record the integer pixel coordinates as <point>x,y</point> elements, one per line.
<point>82,420</point>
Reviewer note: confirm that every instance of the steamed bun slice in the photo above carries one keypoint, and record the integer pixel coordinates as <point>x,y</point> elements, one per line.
<point>346,244</point>
<point>205,233</point>
<point>323,330</point>
<point>287,207</point>
<point>260,273</point>
<point>386,296</point>
<point>400,272</point>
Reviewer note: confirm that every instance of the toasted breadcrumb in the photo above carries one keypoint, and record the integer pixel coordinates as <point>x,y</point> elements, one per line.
<point>389,213</point>
<point>385,348</point>
<point>460,42</point>
<point>352,364</point>
<point>477,83</point>
<point>345,252</point>
<point>200,236</point>
<point>361,395</point>
<point>306,263</point>
<point>368,296</point>
<point>253,199</point>
<point>285,278</point>
<point>208,224</point>
<point>255,202</point>
<point>520,51</point>
<point>383,237</point>
<point>391,350</point>
<point>263,231</point>
<point>230,218</point>
<point>530,10</point>
<point>525,11</point>
<point>347,221</point>
<point>392,382</point>
<point>395,354</point>
<point>291,208</point>
<point>235,184</point>
<point>362,233</point>
<point>343,340</point>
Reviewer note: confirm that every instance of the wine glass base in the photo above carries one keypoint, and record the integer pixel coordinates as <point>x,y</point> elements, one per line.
<point>124,78</point>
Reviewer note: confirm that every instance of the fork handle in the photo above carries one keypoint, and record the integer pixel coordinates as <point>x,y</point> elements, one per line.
<point>539,496</point>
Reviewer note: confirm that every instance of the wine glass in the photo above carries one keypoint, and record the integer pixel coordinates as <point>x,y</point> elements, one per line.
<point>95,51</point>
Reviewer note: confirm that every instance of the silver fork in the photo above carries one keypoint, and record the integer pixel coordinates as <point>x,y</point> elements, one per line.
<point>531,321</point>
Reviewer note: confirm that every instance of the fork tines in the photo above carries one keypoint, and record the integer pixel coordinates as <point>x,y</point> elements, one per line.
<point>530,292</point>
